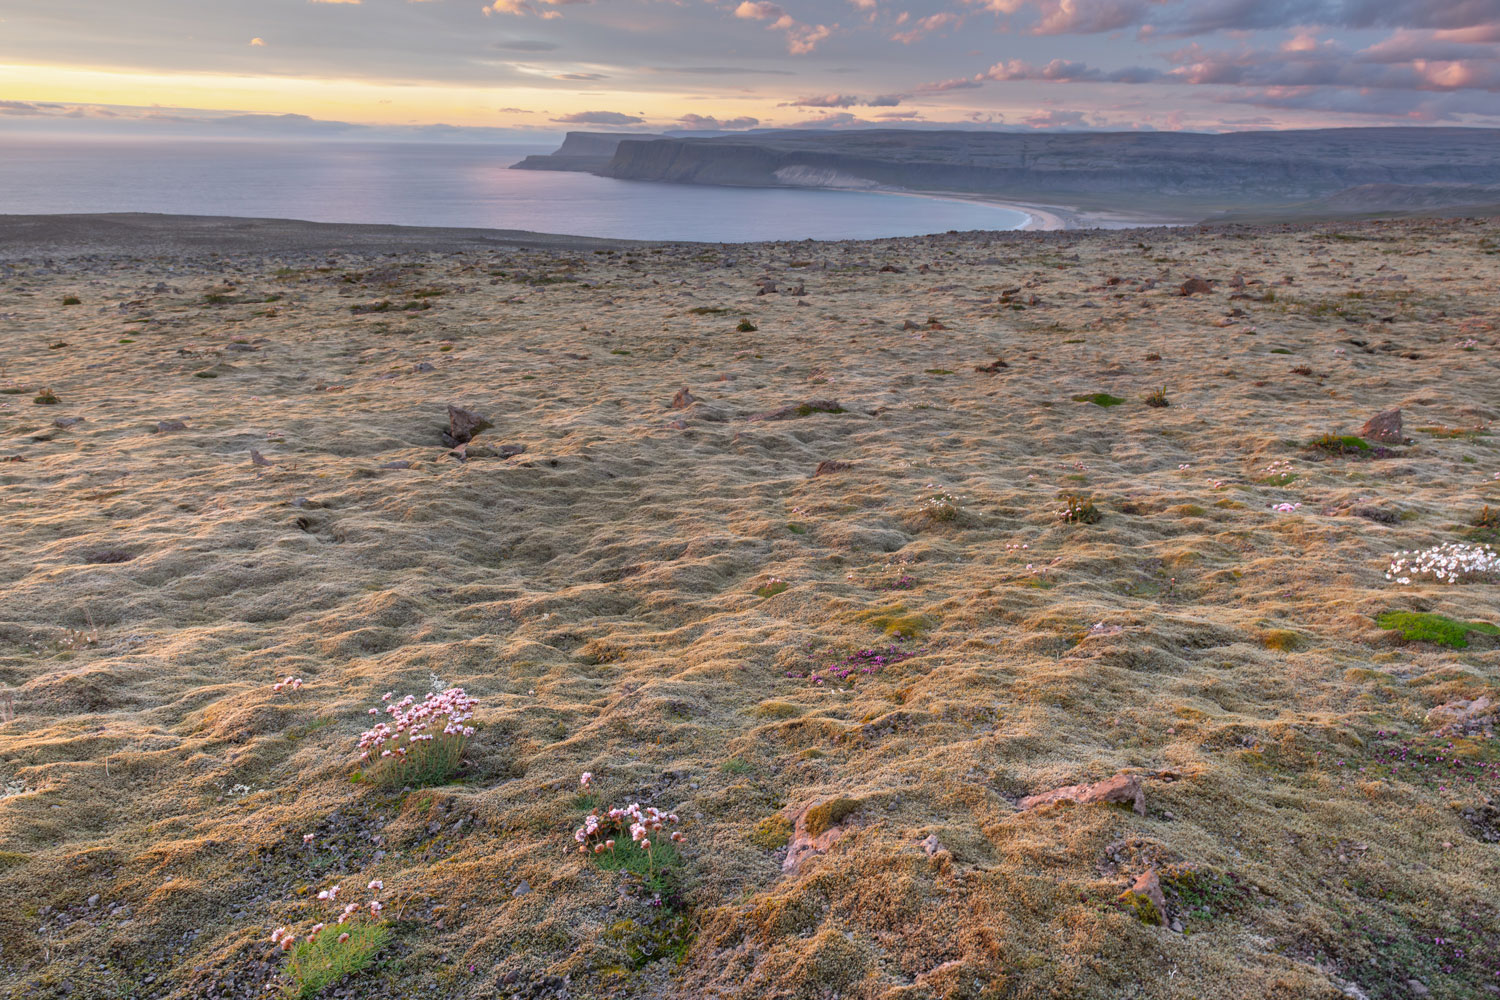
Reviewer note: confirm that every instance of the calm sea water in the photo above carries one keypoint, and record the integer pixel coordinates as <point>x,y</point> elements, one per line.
<point>441,185</point>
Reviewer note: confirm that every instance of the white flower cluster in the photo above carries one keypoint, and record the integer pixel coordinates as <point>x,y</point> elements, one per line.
<point>285,939</point>
<point>1451,562</point>
<point>415,722</point>
<point>642,822</point>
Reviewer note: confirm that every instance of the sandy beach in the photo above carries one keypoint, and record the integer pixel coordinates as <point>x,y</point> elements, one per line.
<point>771,537</point>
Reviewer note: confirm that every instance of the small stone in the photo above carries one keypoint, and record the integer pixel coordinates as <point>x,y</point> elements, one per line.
<point>396,465</point>
<point>94,900</point>
<point>1384,427</point>
<point>931,845</point>
<point>168,426</point>
<point>829,466</point>
<point>462,426</point>
<point>493,451</point>
<point>522,889</point>
<point>1194,286</point>
<point>1418,988</point>
<point>66,422</point>
<point>682,400</point>
<point>256,458</point>
<point>424,366</point>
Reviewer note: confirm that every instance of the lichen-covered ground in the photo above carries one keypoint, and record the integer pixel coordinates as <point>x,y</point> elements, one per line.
<point>611,598</point>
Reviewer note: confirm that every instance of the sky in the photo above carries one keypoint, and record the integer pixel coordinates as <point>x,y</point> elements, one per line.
<point>532,69</point>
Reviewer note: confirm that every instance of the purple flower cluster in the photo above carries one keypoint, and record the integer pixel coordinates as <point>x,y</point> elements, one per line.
<point>1433,763</point>
<point>833,666</point>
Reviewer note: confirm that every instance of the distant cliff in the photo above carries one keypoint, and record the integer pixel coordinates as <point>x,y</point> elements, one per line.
<point>1185,174</point>
<point>586,152</point>
<point>1230,169</point>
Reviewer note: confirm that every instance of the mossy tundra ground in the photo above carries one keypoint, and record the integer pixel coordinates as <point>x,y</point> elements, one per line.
<point>869,666</point>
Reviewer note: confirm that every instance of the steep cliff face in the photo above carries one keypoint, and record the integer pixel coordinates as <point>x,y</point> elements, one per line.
<point>587,152</point>
<point>1265,167</point>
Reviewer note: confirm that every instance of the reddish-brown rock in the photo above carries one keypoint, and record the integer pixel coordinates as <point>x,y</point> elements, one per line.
<point>1383,427</point>
<point>1122,788</point>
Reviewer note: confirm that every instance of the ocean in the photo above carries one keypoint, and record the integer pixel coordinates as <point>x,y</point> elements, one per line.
<point>432,184</point>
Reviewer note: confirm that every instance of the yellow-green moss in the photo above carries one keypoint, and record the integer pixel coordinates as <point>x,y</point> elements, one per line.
<point>1140,905</point>
<point>1282,640</point>
<point>897,621</point>
<point>775,710</point>
<point>772,832</point>
<point>826,815</point>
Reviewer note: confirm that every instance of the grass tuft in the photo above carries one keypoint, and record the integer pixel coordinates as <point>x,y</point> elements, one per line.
<point>1336,444</point>
<point>317,965</point>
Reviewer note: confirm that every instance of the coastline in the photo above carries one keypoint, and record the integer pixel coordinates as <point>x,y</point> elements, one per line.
<point>1053,218</point>
<point>84,234</point>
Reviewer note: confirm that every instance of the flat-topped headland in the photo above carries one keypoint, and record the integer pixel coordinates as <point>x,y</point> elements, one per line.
<point>987,615</point>
<point>1172,176</point>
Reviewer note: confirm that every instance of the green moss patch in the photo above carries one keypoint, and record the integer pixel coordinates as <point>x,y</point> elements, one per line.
<point>1337,444</point>
<point>1098,399</point>
<point>1417,626</point>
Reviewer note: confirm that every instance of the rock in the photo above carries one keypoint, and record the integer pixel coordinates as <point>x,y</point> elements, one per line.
<point>931,845</point>
<point>909,325</point>
<point>816,828</point>
<point>168,426</point>
<point>521,889</point>
<point>1124,789</point>
<point>65,422</point>
<point>1418,988</point>
<point>1384,427</point>
<point>424,366</point>
<point>992,367</point>
<point>1381,515</point>
<point>1194,286</point>
<point>1145,898</point>
<point>807,408</point>
<point>829,466</point>
<point>396,465</point>
<point>257,459</point>
<point>462,426</point>
<point>1460,712</point>
<point>94,900</point>
<point>1149,885</point>
<point>682,400</point>
<point>492,451</point>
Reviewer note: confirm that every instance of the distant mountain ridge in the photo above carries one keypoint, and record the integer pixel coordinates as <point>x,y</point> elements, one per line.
<point>1192,174</point>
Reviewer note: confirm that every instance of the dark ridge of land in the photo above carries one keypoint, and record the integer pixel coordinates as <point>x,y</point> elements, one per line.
<point>147,234</point>
<point>1289,174</point>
